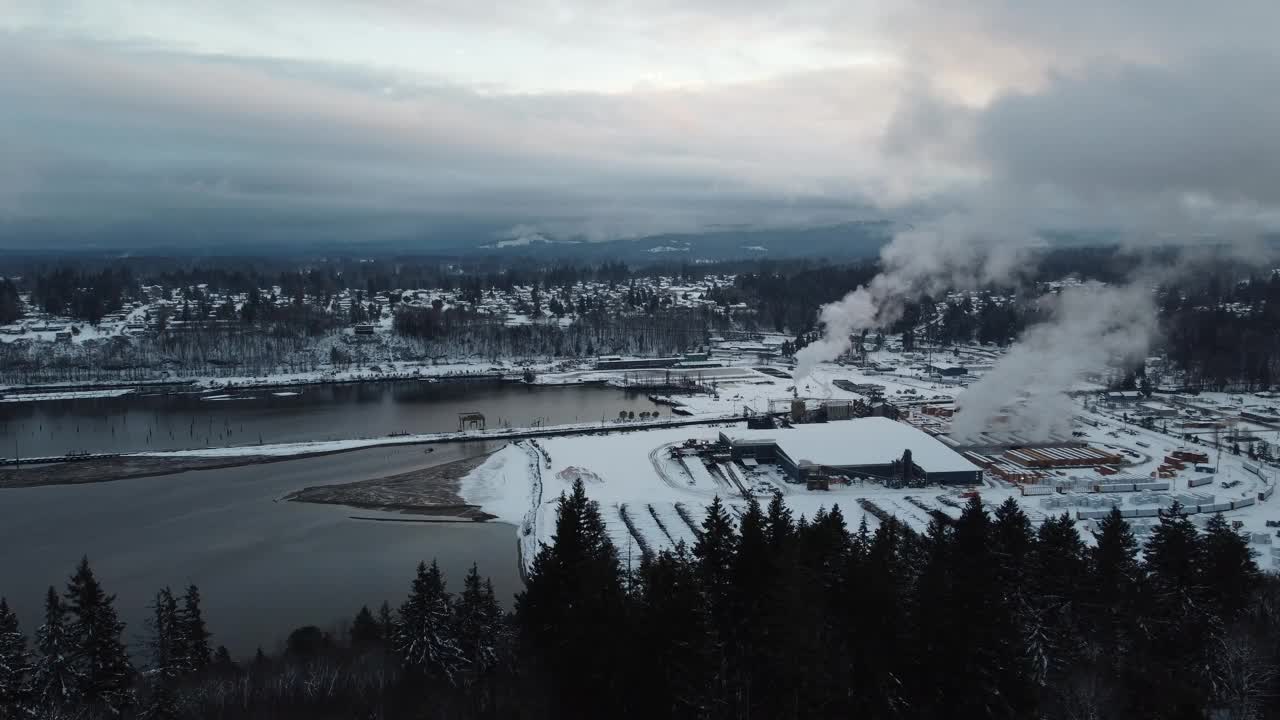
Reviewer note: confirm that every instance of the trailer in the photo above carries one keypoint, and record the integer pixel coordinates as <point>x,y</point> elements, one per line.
<point>1199,482</point>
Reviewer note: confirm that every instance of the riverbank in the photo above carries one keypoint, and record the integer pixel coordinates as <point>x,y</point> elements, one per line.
<point>326,375</point>
<point>432,491</point>
<point>149,464</point>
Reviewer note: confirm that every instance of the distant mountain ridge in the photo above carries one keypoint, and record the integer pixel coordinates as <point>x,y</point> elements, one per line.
<point>854,240</point>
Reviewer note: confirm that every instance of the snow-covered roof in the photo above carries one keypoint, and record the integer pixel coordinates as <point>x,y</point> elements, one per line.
<point>864,441</point>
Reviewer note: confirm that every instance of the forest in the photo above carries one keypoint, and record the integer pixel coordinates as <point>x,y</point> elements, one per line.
<point>765,616</point>
<point>1219,326</point>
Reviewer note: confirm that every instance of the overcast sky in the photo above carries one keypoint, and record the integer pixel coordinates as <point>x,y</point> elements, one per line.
<point>347,119</point>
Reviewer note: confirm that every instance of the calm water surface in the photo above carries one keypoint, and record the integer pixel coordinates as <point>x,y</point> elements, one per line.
<point>264,567</point>
<point>319,412</point>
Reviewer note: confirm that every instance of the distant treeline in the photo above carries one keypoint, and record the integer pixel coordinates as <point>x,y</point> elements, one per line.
<point>765,616</point>
<point>1220,326</point>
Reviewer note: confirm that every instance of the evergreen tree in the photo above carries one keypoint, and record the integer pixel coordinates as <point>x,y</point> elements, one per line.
<point>15,666</point>
<point>167,648</point>
<point>755,641</point>
<point>479,621</point>
<point>672,636</point>
<point>1113,587</point>
<point>386,622</point>
<point>1055,626</point>
<point>1178,628</point>
<point>57,676</point>
<point>366,633</point>
<point>100,656</point>
<point>1012,544</point>
<point>193,633</point>
<point>715,550</point>
<point>1110,606</point>
<point>779,525</point>
<point>425,637</point>
<point>573,598</point>
<point>936,635</point>
<point>878,637</point>
<point>222,663</point>
<point>1228,572</point>
<point>991,681</point>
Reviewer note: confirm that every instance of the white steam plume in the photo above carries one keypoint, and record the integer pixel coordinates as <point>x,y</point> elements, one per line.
<point>954,253</point>
<point>1090,329</point>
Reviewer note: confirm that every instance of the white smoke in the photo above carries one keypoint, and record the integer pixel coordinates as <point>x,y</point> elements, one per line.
<point>955,253</point>
<point>1091,328</point>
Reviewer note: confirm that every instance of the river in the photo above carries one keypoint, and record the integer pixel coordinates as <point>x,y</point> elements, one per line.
<point>157,421</point>
<point>264,567</point>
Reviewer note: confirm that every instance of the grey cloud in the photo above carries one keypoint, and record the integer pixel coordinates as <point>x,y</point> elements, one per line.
<point>110,133</point>
<point>1203,127</point>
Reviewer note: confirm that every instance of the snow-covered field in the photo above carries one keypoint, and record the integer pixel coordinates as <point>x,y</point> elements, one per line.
<point>630,473</point>
<point>648,498</point>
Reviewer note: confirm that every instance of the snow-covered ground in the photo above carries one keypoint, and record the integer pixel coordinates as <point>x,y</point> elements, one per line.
<point>632,476</point>
<point>630,473</point>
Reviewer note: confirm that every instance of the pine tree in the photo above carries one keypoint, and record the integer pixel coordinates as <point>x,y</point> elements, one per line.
<point>715,550</point>
<point>222,663</point>
<point>57,677</point>
<point>386,622</point>
<point>936,635</point>
<point>1012,543</point>
<point>990,680</point>
<point>479,623</point>
<point>573,598</point>
<point>877,628</point>
<point>425,637</point>
<point>193,633</point>
<point>1055,626</point>
<point>753,576</point>
<point>15,666</point>
<point>1113,588</point>
<point>780,527</point>
<point>1178,625</point>
<point>100,655</point>
<point>168,663</point>
<point>672,636</point>
<point>1228,572</point>
<point>366,633</point>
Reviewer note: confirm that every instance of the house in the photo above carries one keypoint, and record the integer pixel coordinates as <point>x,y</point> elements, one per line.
<point>946,369</point>
<point>1123,398</point>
